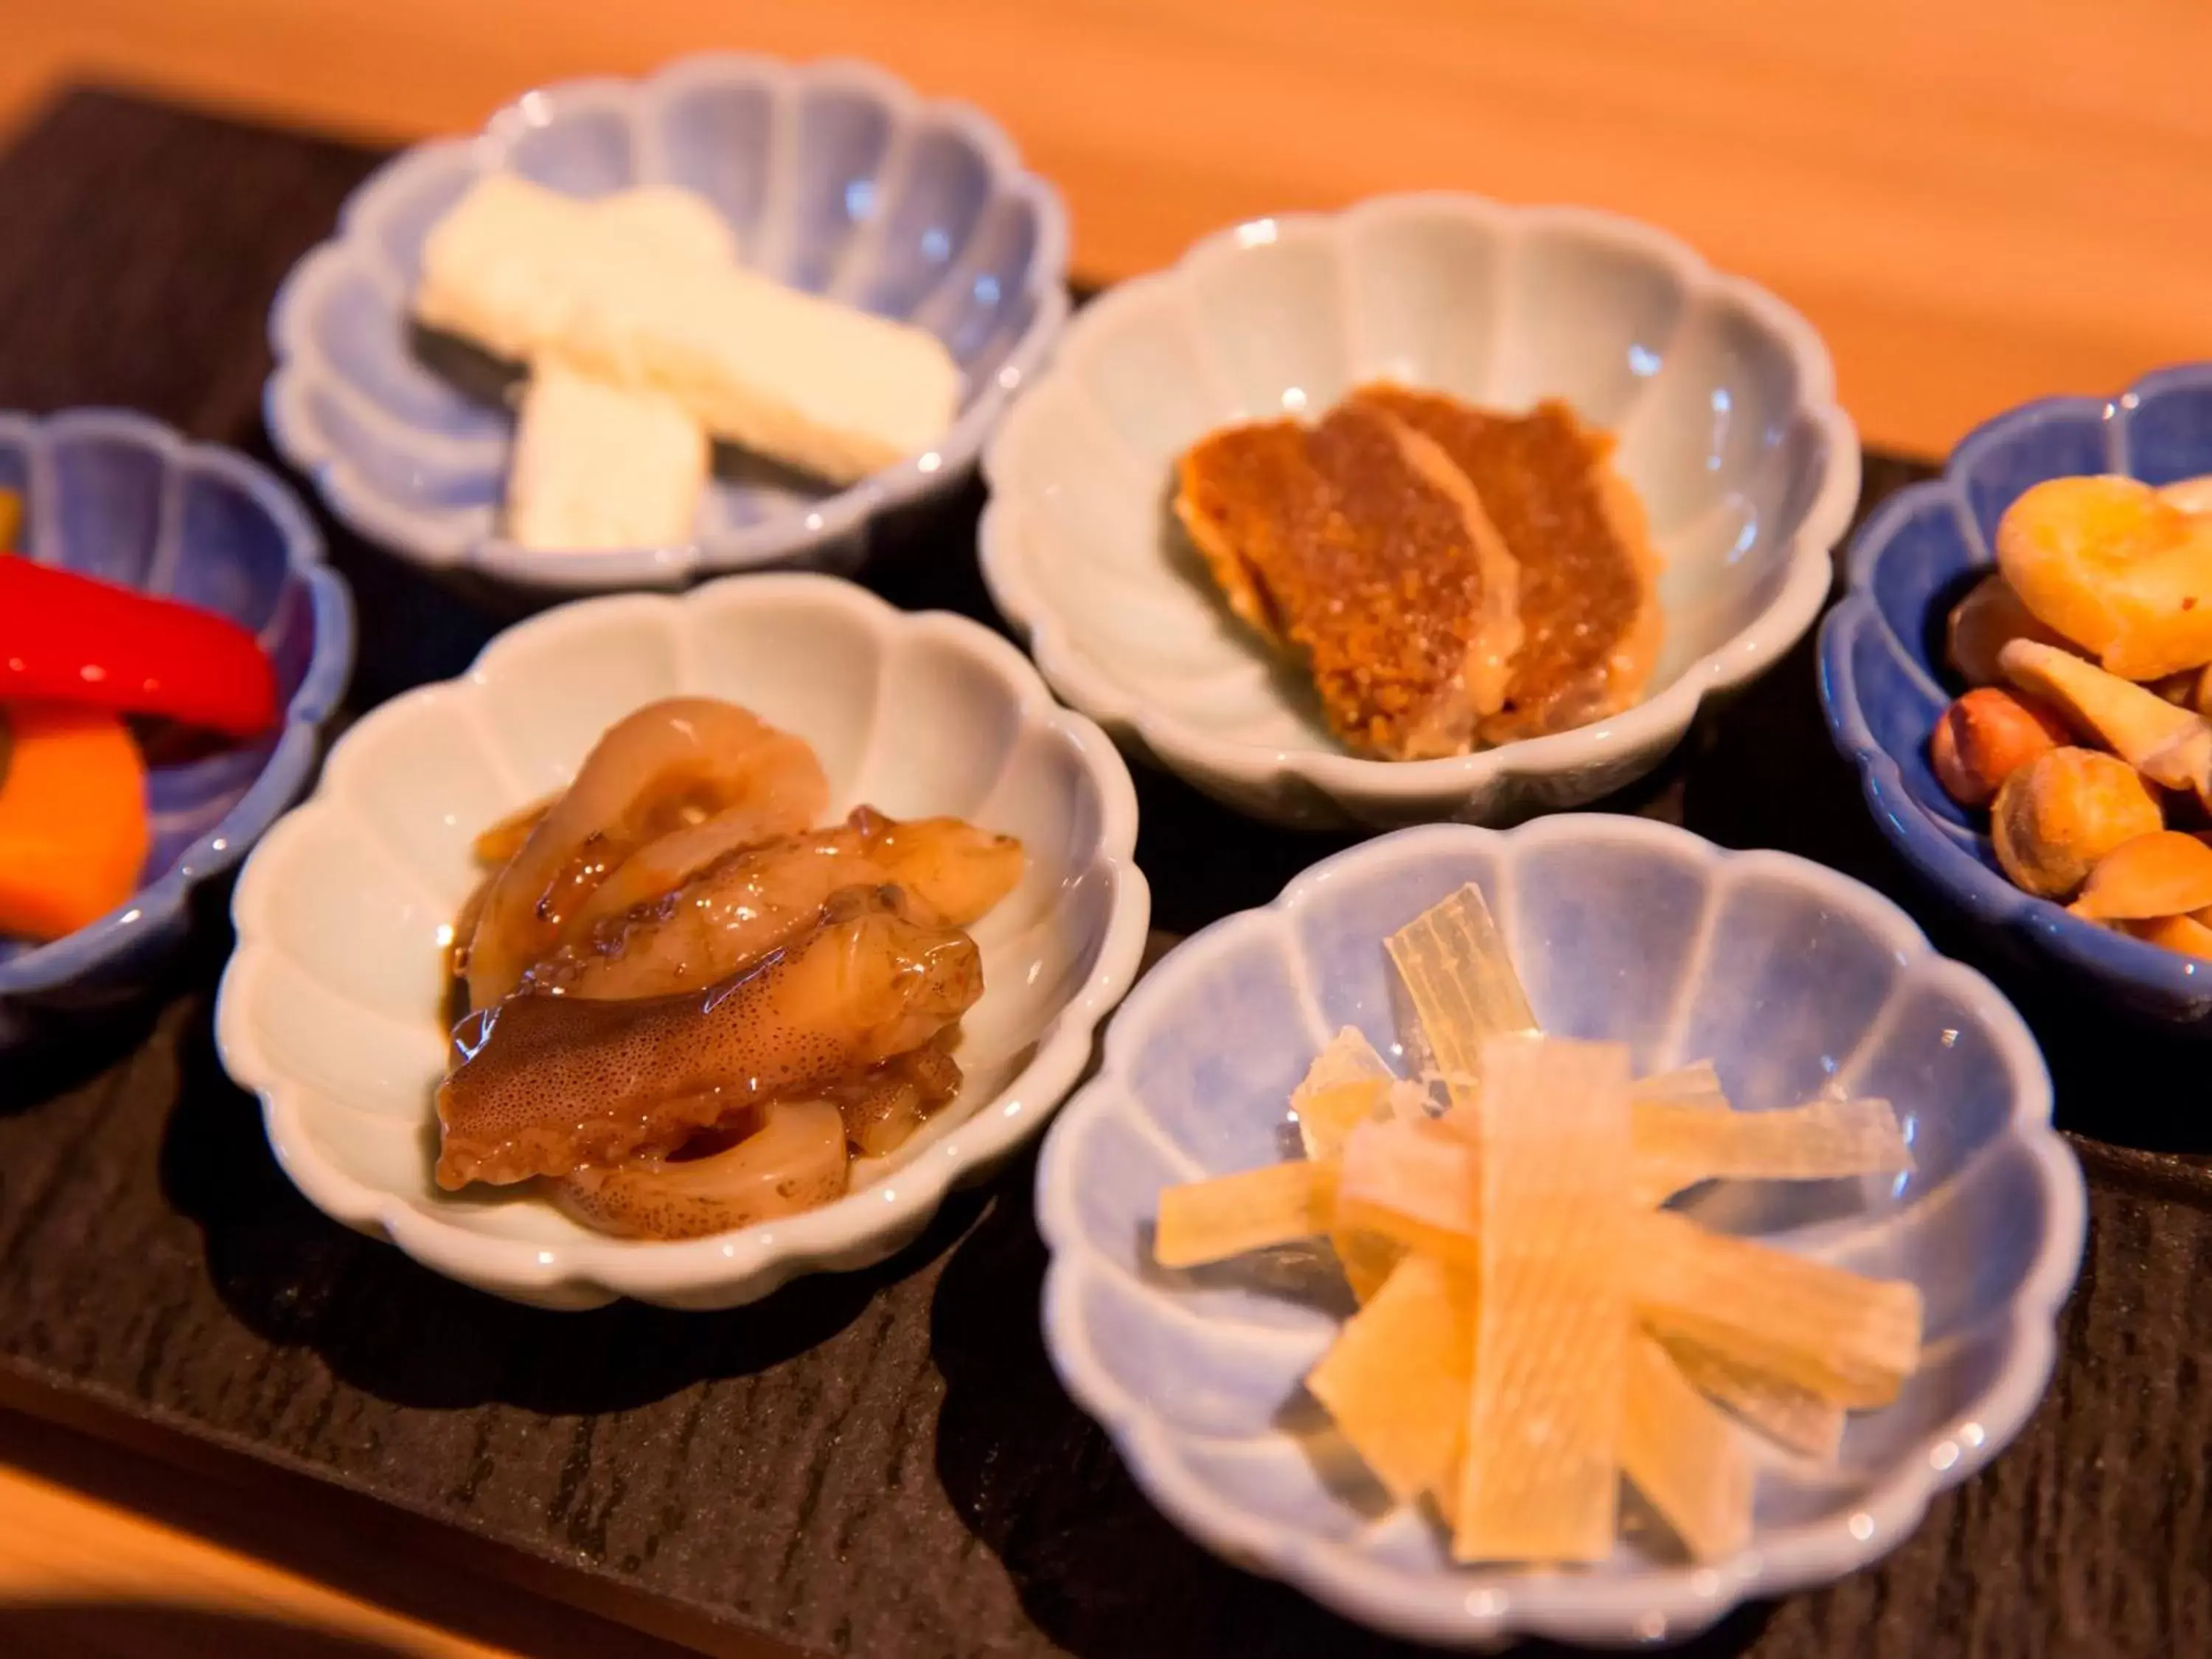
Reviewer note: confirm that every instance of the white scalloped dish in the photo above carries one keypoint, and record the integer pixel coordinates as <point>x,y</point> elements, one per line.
<point>1794,980</point>
<point>331,1006</point>
<point>1721,398</point>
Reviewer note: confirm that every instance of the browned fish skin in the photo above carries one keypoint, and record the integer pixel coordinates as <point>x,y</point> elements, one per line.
<point>546,1085</point>
<point>1589,615</point>
<point>1358,544</point>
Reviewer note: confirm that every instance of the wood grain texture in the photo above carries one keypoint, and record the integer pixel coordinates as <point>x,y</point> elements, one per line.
<point>186,1568</point>
<point>880,1463</point>
<point>1977,201</point>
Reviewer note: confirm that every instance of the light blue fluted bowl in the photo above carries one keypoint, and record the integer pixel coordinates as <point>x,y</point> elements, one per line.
<point>835,177</point>
<point>1881,681</point>
<point>1793,978</point>
<point>122,497</point>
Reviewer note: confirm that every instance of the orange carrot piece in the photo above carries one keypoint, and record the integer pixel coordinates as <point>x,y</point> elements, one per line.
<point>73,826</point>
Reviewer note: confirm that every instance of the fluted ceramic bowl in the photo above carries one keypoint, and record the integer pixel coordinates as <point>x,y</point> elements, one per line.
<point>1722,397</point>
<point>1794,980</point>
<point>124,498</point>
<point>331,1008</point>
<point>1883,683</point>
<point>835,178</point>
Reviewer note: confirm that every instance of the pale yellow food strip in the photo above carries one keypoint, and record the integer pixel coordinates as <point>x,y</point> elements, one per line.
<point>1685,1456</point>
<point>1696,1084</point>
<point>1850,1340</point>
<point>1349,1084</point>
<point>1396,1380</point>
<point>1541,1481</point>
<point>1679,1145</point>
<point>1407,1101</point>
<point>1367,1258</point>
<point>1213,1220</point>
<point>1463,984</point>
<point>1327,1099</point>
<point>1795,1419</point>
<point>1418,1183</point>
<point>1327,1117</point>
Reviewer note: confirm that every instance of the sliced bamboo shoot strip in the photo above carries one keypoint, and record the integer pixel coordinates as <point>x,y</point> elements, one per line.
<point>1678,1146</point>
<point>1464,987</point>
<point>1213,1220</point>
<point>1851,1340</point>
<point>1327,1101</point>
<point>1685,1456</point>
<point>1795,1419</point>
<point>1396,1380</point>
<point>1417,1183</point>
<point>1541,1479</point>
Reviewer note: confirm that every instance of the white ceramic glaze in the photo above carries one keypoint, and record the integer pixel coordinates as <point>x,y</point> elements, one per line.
<point>1794,980</point>
<point>330,1008</point>
<point>1722,398</point>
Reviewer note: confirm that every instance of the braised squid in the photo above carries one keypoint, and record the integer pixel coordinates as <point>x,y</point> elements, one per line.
<point>687,1009</point>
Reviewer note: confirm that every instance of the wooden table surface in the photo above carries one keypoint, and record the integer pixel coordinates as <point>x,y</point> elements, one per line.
<point>1975,200</point>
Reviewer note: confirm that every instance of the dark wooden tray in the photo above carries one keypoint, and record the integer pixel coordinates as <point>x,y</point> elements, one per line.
<point>882,1463</point>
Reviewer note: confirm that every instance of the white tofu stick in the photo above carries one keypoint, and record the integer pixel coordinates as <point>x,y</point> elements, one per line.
<point>599,466</point>
<point>640,298</point>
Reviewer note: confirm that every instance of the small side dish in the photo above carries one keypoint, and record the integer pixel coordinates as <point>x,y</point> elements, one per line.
<point>644,338</point>
<point>684,1006</point>
<point>2087,732</point>
<point>1534,1326</point>
<point>92,675</point>
<point>1449,576</point>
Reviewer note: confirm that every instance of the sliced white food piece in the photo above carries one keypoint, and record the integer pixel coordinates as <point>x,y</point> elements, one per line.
<point>635,294</point>
<point>1796,1420</point>
<point>599,466</point>
<point>1540,1478</point>
<point>1213,1220</point>
<point>1343,1086</point>
<point>1396,1380</point>
<point>1419,1184</point>
<point>1680,1145</point>
<point>1685,1456</point>
<point>1851,1340</point>
<point>1464,988</point>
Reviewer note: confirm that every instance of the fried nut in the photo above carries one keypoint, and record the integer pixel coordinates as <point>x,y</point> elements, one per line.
<point>2165,874</point>
<point>2184,934</point>
<point>2166,744</point>
<point>2058,816</point>
<point>2116,569</point>
<point>1982,624</point>
<point>1984,738</point>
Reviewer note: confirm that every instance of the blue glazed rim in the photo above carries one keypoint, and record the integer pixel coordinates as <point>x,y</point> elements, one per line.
<point>153,910</point>
<point>2154,977</point>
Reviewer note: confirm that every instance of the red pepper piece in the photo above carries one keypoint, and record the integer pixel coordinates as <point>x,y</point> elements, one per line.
<point>67,638</point>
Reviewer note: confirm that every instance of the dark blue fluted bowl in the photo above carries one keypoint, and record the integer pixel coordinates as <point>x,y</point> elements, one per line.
<point>122,497</point>
<point>1880,674</point>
